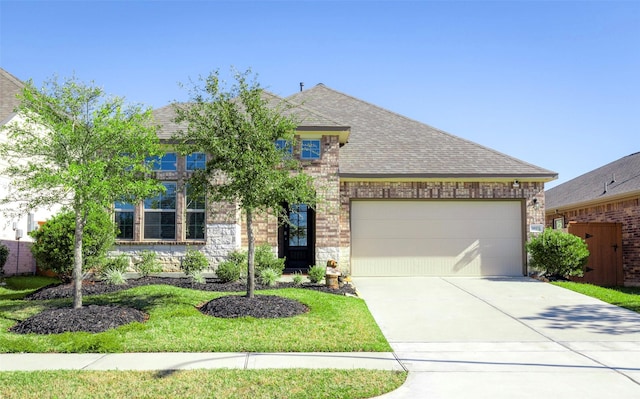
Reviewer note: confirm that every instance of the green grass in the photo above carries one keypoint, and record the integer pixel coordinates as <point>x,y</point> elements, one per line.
<point>19,286</point>
<point>255,384</point>
<point>333,324</point>
<point>626,297</point>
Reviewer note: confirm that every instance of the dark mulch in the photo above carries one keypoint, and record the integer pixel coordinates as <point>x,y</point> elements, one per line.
<point>260,306</point>
<point>92,318</point>
<point>95,318</point>
<point>99,287</point>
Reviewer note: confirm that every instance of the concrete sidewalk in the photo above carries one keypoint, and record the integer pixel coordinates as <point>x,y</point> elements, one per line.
<point>186,361</point>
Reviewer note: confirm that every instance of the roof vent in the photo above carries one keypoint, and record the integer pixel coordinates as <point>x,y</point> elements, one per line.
<point>613,178</point>
<point>605,188</point>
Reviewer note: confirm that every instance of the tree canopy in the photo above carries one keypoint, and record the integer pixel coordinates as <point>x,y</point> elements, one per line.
<point>73,145</point>
<point>238,128</point>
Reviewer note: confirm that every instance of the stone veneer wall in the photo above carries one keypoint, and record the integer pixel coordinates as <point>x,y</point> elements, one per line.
<point>438,190</point>
<point>625,211</point>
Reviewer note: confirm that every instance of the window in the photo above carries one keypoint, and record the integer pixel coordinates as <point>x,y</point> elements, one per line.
<point>160,214</point>
<point>197,160</point>
<point>298,226</point>
<point>284,145</point>
<point>310,149</point>
<point>168,162</point>
<point>124,220</point>
<point>195,214</point>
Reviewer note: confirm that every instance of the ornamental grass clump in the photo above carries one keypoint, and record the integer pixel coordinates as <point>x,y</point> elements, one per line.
<point>269,277</point>
<point>559,254</point>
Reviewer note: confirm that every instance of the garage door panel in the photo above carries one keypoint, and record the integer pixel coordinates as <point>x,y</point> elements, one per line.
<point>466,238</point>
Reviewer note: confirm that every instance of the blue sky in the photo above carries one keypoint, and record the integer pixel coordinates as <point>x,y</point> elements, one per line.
<point>556,84</point>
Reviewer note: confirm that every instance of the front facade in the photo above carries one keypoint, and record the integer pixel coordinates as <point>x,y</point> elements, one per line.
<point>607,195</point>
<point>398,197</point>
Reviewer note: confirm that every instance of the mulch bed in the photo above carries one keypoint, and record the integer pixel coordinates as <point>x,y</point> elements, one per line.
<point>98,318</point>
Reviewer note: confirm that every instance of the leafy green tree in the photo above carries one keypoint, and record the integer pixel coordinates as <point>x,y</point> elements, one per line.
<point>238,128</point>
<point>558,253</point>
<point>78,148</point>
<point>53,245</point>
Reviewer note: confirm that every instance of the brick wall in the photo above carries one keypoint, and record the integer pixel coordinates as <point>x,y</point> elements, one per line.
<point>327,183</point>
<point>625,211</point>
<point>25,264</point>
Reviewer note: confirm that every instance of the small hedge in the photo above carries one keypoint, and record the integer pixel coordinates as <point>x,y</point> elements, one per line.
<point>557,253</point>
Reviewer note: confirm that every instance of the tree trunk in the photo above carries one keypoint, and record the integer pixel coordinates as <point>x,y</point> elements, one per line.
<point>251,284</point>
<point>77,259</point>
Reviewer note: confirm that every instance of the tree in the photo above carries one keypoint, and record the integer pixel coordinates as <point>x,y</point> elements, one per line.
<point>558,253</point>
<point>78,148</point>
<point>238,128</point>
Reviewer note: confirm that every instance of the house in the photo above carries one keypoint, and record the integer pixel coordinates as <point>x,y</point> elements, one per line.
<point>607,195</point>
<point>14,228</point>
<point>400,198</point>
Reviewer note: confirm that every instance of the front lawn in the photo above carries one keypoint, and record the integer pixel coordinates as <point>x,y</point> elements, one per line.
<point>334,324</point>
<point>625,297</point>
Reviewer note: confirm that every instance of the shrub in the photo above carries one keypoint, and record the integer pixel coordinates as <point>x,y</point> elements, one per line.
<point>269,277</point>
<point>297,278</point>
<point>316,273</point>
<point>557,253</point>
<point>194,263</point>
<point>4,255</point>
<point>148,263</point>
<point>53,242</point>
<point>229,271</point>
<point>266,259</point>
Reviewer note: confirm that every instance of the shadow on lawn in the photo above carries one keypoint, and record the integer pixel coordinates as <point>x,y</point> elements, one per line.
<point>601,319</point>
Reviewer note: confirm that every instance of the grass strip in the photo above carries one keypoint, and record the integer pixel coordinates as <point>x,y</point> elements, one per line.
<point>255,384</point>
<point>625,297</point>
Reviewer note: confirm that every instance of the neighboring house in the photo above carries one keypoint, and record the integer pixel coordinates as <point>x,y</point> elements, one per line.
<point>399,198</point>
<point>20,259</point>
<point>609,194</point>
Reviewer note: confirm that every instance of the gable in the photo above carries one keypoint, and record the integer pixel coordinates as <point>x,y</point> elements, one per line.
<point>10,86</point>
<point>385,144</point>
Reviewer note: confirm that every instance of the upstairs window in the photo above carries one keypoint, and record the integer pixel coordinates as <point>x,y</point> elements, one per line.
<point>166,163</point>
<point>124,219</point>
<point>160,214</point>
<point>310,149</point>
<point>285,146</point>
<point>197,160</point>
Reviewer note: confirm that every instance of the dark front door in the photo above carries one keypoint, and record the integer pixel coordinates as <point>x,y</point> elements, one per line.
<point>297,238</point>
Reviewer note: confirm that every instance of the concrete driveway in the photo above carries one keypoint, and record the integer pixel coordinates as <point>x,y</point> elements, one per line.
<point>504,338</point>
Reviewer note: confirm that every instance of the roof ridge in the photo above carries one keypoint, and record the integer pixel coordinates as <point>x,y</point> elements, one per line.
<point>322,85</point>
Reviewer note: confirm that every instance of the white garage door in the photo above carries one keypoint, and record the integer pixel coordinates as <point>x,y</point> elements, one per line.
<point>436,238</point>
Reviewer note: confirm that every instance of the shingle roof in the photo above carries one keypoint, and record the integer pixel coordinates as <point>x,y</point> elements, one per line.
<point>385,144</point>
<point>304,116</point>
<point>622,177</point>
<point>10,86</point>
